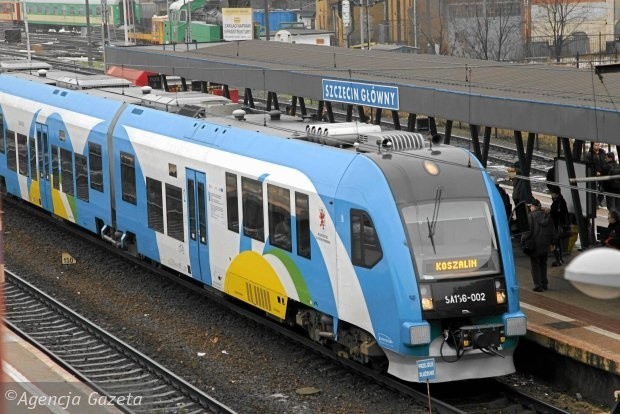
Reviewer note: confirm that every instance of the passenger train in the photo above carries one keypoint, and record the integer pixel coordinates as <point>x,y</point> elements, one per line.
<point>64,13</point>
<point>392,250</point>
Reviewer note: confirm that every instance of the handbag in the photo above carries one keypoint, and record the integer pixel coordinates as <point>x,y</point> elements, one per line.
<point>565,231</point>
<point>528,246</point>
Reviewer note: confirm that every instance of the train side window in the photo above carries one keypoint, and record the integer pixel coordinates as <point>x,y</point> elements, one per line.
<point>22,154</point>
<point>66,175</point>
<point>279,211</point>
<point>154,205</point>
<point>252,204</point>
<point>128,178</point>
<point>96,166</point>
<point>55,168</point>
<point>33,159</point>
<point>11,155</point>
<point>2,149</point>
<point>232,202</point>
<point>365,248</point>
<point>302,214</point>
<point>174,212</point>
<point>81,177</point>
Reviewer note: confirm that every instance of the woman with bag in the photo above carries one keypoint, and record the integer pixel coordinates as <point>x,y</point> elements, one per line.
<point>539,239</point>
<point>561,223</point>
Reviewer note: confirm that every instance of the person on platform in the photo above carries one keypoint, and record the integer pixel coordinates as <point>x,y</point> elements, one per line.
<point>521,191</point>
<point>540,238</point>
<point>613,230</point>
<point>505,200</point>
<point>596,158</point>
<point>561,223</point>
<point>611,167</point>
<point>551,180</point>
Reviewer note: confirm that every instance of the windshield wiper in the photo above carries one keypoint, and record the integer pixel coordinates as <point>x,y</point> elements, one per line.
<point>432,225</point>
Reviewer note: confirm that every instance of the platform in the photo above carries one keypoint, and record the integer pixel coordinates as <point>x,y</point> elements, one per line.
<point>570,323</point>
<point>36,384</point>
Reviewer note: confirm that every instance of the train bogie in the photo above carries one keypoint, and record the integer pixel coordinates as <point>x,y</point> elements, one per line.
<point>391,257</point>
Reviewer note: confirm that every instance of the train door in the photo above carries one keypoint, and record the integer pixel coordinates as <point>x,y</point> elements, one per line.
<point>44,167</point>
<point>197,225</point>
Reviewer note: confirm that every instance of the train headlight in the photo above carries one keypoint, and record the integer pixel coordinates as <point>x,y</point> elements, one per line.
<point>516,326</point>
<point>500,291</point>
<point>420,334</point>
<point>426,296</point>
<point>431,167</point>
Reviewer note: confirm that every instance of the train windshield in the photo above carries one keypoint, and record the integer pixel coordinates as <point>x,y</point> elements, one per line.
<point>452,239</point>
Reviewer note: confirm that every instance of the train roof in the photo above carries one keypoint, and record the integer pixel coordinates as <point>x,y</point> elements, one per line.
<point>10,65</point>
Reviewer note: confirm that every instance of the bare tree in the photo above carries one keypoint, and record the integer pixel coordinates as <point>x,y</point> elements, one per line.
<point>559,18</point>
<point>486,29</point>
<point>430,26</point>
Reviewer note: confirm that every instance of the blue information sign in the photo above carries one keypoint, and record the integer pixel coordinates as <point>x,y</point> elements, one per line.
<point>426,370</point>
<point>365,94</point>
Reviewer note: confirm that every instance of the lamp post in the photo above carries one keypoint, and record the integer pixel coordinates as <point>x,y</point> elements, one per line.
<point>25,13</point>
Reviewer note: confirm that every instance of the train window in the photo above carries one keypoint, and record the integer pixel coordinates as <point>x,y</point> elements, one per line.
<point>2,149</point>
<point>55,168</point>
<point>154,205</point>
<point>302,214</point>
<point>365,248</point>
<point>172,170</point>
<point>96,166</point>
<point>232,202</point>
<point>279,210</point>
<point>11,155</point>
<point>202,215</point>
<point>174,212</point>
<point>128,178</point>
<point>191,208</point>
<point>66,174</point>
<point>22,154</point>
<point>81,177</point>
<point>252,205</point>
<point>33,159</point>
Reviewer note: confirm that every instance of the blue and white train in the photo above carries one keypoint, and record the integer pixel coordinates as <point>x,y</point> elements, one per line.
<point>392,253</point>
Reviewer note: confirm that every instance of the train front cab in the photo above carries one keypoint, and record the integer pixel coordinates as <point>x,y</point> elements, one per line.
<point>447,271</point>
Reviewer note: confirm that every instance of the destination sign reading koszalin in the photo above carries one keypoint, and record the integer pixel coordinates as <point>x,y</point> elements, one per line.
<point>364,94</point>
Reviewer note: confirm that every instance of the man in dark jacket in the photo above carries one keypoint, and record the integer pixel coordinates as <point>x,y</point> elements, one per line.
<point>611,167</point>
<point>542,234</point>
<point>521,191</point>
<point>596,158</point>
<point>561,223</point>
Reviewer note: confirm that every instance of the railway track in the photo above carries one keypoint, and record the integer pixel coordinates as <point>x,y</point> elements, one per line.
<point>445,398</point>
<point>108,365</point>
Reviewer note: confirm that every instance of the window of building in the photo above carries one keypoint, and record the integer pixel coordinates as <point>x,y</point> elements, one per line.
<point>279,210</point>
<point>252,204</point>
<point>232,202</point>
<point>128,178</point>
<point>154,205</point>
<point>33,159</point>
<point>174,212</point>
<point>365,248</point>
<point>22,154</point>
<point>11,154</point>
<point>96,163</point>
<point>302,218</point>
<point>81,177</point>
<point>66,174</point>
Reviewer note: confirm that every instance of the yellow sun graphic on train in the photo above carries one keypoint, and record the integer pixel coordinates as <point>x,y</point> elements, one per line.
<point>252,279</point>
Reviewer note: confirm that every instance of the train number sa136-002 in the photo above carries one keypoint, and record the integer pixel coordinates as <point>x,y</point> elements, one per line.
<point>464,298</point>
